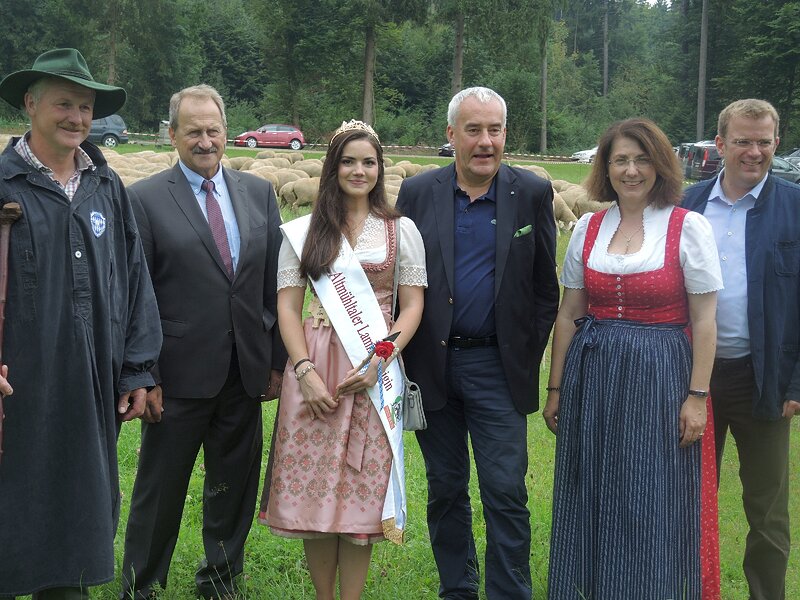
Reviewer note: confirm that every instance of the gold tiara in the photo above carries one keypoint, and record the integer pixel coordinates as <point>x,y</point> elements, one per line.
<point>353,125</point>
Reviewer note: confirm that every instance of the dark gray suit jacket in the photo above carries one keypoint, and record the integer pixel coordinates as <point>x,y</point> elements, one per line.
<point>202,311</point>
<point>526,287</point>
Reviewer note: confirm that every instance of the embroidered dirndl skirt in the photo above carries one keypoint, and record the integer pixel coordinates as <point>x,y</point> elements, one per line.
<point>626,500</point>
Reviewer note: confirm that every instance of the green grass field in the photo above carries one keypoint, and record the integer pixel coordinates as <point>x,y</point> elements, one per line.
<point>274,567</point>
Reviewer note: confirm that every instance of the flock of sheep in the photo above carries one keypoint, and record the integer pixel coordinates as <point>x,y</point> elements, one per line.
<point>296,179</point>
<point>570,200</point>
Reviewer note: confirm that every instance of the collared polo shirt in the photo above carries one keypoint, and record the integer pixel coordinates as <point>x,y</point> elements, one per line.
<point>728,219</point>
<point>226,206</point>
<point>474,269</point>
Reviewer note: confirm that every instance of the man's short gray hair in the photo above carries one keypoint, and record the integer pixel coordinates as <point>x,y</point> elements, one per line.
<point>483,94</point>
<point>201,92</point>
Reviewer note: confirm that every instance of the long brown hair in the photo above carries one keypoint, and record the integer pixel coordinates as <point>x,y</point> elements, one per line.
<point>668,187</point>
<point>329,217</point>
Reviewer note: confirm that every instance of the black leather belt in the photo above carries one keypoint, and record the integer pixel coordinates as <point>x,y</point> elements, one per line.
<point>456,341</point>
<point>731,364</point>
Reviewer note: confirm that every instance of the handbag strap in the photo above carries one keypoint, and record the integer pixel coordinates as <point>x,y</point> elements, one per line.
<point>394,289</point>
<point>396,266</point>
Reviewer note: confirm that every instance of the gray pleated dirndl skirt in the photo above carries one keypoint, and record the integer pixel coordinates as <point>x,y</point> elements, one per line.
<point>626,500</point>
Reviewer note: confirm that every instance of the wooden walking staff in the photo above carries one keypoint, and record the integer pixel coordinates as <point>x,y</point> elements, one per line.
<point>8,214</point>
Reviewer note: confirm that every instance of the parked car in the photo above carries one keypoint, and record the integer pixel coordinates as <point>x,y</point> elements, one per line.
<point>283,136</point>
<point>705,160</point>
<point>785,170</point>
<point>585,156</point>
<point>793,157</point>
<point>447,150</point>
<point>109,131</point>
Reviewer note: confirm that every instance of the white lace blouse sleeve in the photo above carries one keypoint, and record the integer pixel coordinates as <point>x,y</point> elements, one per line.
<point>572,271</point>
<point>699,256</point>
<point>289,267</point>
<point>412,255</point>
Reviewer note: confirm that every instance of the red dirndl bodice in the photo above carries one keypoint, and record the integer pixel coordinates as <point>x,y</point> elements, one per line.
<point>659,296</point>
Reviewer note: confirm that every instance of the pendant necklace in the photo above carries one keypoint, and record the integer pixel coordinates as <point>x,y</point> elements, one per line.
<point>630,237</point>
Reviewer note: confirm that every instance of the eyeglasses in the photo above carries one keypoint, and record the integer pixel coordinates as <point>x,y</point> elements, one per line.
<point>747,144</point>
<point>640,162</point>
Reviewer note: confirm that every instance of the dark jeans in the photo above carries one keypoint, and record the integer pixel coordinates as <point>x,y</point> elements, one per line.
<point>763,448</point>
<point>479,406</point>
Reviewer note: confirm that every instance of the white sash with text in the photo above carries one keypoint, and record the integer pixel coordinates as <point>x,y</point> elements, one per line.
<point>353,310</point>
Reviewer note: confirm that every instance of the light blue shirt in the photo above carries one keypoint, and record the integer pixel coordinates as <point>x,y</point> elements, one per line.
<point>225,205</point>
<point>728,219</point>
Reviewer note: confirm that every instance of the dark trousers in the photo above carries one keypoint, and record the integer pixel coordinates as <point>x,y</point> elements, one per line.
<point>763,448</point>
<point>229,429</point>
<point>479,406</point>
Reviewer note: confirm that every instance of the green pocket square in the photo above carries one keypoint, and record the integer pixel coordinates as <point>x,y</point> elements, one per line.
<point>524,231</point>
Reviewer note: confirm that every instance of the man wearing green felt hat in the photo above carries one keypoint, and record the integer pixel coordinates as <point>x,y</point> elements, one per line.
<point>81,332</point>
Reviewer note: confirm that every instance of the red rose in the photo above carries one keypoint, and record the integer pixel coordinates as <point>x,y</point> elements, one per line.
<point>384,349</point>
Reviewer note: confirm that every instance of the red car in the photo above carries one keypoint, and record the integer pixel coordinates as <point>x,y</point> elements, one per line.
<point>284,136</point>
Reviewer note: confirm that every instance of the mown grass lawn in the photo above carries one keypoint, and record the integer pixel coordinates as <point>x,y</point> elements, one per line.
<point>274,567</point>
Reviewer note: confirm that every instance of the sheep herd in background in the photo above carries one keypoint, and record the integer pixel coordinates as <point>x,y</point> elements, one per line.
<point>296,178</point>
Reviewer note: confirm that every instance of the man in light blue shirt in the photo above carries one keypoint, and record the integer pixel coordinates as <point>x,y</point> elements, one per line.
<point>728,218</point>
<point>220,193</point>
<point>755,385</point>
<point>211,239</point>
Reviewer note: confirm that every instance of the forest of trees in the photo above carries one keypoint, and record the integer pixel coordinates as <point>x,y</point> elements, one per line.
<point>567,68</point>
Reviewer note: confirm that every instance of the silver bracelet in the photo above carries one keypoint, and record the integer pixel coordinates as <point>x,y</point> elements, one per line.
<point>305,371</point>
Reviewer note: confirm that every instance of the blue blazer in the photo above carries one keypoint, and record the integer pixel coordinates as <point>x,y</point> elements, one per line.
<point>526,287</point>
<point>773,290</point>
